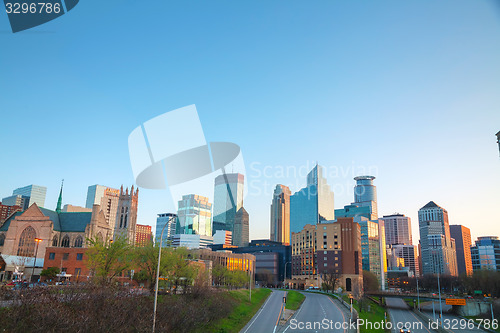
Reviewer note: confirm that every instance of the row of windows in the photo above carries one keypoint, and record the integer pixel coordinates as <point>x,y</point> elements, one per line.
<point>52,256</point>
<point>65,242</point>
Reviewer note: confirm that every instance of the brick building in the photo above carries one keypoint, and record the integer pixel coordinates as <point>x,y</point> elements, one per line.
<point>6,211</point>
<point>143,234</point>
<point>328,248</point>
<point>71,262</point>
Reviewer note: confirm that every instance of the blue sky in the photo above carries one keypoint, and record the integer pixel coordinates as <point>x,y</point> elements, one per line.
<point>408,90</point>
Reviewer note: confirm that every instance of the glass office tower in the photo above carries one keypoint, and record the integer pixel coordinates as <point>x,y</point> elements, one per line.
<point>486,254</point>
<point>313,203</point>
<point>195,215</point>
<point>169,221</point>
<point>36,194</point>
<point>228,199</point>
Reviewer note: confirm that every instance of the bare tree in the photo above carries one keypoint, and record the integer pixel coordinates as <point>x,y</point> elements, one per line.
<point>331,278</point>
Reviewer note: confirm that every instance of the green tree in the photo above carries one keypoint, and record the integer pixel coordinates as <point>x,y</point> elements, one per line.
<point>50,273</point>
<point>108,259</point>
<point>370,281</point>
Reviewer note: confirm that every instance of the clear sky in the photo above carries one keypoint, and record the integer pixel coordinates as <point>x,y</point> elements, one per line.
<point>406,90</point>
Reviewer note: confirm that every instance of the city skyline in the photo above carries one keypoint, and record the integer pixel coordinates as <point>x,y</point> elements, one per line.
<point>419,84</point>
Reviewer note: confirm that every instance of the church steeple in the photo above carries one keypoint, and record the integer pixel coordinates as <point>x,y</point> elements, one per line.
<point>59,201</point>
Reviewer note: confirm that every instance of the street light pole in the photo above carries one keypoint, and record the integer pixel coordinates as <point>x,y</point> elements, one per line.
<point>440,304</point>
<point>37,240</point>
<point>158,270</point>
<point>284,279</point>
<point>250,286</point>
<point>418,296</point>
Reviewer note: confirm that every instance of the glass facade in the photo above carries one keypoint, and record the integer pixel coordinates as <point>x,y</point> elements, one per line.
<point>437,247</point>
<point>397,229</point>
<point>280,215</point>
<point>371,247</point>
<point>36,194</point>
<point>192,241</point>
<point>312,204</point>
<point>161,221</point>
<point>486,254</point>
<point>365,194</point>
<point>195,215</point>
<point>228,199</point>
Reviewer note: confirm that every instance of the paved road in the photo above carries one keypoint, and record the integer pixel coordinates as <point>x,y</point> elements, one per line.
<point>401,314</point>
<point>454,323</point>
<point>451,322</point>
<point>319,310</point>
<point>266,319</point>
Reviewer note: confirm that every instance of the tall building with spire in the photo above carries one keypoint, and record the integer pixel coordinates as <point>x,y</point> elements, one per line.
<point>280,215</point>
<point>313,204</point>
<point>126,215</point>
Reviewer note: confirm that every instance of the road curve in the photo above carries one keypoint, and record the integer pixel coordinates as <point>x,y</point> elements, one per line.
<point>266,319</point>
<point>318,313</point>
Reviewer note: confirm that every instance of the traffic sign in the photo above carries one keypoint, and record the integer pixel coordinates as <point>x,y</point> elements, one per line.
<point>455,301</point>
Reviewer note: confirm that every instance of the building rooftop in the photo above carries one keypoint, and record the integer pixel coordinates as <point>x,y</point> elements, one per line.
<point>431,204</point>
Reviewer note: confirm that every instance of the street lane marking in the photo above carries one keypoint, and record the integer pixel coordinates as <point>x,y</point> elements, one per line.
<point>341,312</point>
<point>258,313</point>
<point>279,316</point>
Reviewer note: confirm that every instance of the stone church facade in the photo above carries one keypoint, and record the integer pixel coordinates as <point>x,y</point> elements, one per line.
<point>22,231</point>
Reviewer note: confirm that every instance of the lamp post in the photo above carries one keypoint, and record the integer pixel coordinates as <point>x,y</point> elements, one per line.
<point>284,278</point>
<point>418,295</point>
<point>37,241</point>
<point>158,269</point>
<point>437,269</point>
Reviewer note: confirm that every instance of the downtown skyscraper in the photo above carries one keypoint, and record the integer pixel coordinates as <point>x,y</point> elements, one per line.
<point>463,243</point>
<point>397,229</point>
<point>280,215</point>
<point>312,204</point>
<point>399,243</point>
<point>195,215</point>
<point>437,246</point>
<point>364,212</point>
<point>26,196</point>
<point>228,201</point>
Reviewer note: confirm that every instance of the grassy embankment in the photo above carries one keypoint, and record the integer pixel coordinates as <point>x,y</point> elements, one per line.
<point>371,312</point>
<point>294,300</point>
<point>242,312</point>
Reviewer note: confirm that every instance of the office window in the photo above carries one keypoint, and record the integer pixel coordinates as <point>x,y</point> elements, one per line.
<point>52,256</point>
<point>79,256</point>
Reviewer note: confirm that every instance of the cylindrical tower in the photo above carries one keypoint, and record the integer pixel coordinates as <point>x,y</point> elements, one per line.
<point>365,190</point>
